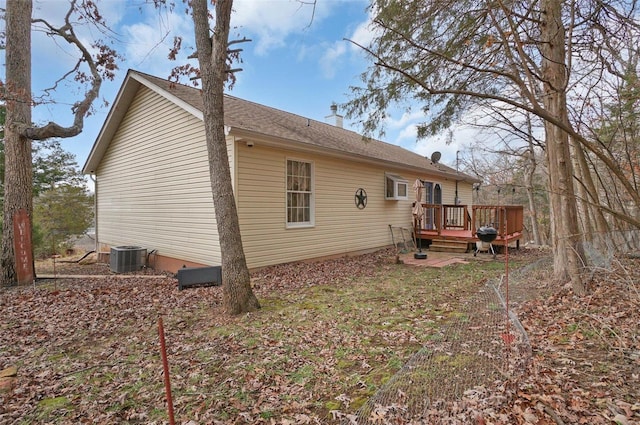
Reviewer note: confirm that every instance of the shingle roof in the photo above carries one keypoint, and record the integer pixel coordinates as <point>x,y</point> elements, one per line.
<point>243,115</point>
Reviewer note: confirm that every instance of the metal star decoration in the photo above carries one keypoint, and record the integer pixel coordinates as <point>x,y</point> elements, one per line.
<point>361,198</point>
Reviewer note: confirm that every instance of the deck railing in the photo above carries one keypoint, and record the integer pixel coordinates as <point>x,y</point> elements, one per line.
<point>438,216</point>
<point>507,219</point>
<point>431,217</point>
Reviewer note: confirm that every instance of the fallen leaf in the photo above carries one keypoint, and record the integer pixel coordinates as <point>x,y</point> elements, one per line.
<point>621,420</point>
<point>10,371</point>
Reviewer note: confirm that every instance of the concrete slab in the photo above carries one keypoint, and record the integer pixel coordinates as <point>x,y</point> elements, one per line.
<point>438,259</point>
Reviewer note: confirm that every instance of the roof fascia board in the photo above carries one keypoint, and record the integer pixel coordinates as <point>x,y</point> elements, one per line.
<point>271,141</point>
<point>167,95</point>
<point>127,92</point>
<point>119,107</point>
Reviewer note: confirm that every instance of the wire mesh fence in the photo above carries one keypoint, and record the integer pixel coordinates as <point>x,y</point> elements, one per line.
<point>478,348</point>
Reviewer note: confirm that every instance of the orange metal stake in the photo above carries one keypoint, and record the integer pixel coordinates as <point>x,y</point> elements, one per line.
<point>165,366</point>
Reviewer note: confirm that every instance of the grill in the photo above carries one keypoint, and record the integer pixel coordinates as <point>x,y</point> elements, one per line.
<point>487,235</point>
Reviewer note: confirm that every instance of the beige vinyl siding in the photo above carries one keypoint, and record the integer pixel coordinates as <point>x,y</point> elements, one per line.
<point>465,193</point>
<point>153,186</point>
<point>153,183</point>
<point>340,227</point>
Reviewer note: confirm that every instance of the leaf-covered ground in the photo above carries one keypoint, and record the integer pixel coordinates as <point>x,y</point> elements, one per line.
<point>328,339</point>
<point>586,366</point>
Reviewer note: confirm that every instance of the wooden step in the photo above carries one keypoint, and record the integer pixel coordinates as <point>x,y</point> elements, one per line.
<point>442,245</point>
<point>444,248</point>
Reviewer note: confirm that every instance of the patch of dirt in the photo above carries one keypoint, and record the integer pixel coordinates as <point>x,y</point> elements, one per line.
<point>80,265</point>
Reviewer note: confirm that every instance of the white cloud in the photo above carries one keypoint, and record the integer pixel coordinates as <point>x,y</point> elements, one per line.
<point>409,132</point>
<point>345,50</point>
<point>60,56</point>
<point>404,132</point>
<point>54,52</point>
<point>337,54</point>
<point>407,138</point>
<point>406,119</point>
<point>428,147</point>
<point>362,35</point>
<point>148,39</point>
<point>330,60</point>
<point>272,21</point>
<point>135,32</point>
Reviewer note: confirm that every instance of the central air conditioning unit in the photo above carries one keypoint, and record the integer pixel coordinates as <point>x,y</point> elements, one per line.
<point>125,259</point>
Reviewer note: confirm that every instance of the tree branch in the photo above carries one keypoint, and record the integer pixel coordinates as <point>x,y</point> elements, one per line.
<point>535,108</point>
<point>105,61</point>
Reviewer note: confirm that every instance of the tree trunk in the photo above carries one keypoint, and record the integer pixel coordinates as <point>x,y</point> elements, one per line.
<point>568,251</point>
<point>529,172</point>
<point>18,173</point>
<point>584,212</point>
<point>528,176</point>
<point>591,199</point>
<point>212,55</point>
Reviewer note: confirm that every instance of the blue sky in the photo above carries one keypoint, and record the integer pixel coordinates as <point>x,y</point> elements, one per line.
<point>294,63</point>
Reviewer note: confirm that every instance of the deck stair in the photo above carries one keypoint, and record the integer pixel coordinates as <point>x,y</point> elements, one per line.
<point>448,245</point>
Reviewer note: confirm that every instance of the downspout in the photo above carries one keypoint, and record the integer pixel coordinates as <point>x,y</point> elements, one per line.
<point>95,210</point>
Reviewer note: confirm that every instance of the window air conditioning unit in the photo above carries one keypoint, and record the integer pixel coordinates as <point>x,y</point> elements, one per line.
<point>125,259</point>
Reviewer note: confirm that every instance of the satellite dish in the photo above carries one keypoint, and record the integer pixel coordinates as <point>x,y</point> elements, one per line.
<point>435,157</point>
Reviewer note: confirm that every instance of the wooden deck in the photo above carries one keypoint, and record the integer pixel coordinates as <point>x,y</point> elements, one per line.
<point>460,222</point>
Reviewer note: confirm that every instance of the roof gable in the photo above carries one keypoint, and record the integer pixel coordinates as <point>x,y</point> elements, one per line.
<point>249,118</point>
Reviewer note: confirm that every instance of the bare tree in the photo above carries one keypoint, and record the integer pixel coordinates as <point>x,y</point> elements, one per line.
<point>507,133</point>
<point>19,130</point>
<point>505,130</point>
<point>213,55</point>
<point>530,166</point>
<point>610,118</point>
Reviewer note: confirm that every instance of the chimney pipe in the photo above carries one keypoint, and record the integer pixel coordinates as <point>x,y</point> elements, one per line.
<point>334,118</point>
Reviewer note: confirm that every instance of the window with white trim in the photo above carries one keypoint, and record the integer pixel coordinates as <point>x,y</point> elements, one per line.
<point>396,188</point>
<point>299,193</point>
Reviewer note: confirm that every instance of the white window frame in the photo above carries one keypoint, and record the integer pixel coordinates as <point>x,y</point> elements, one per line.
<point>300,224</point>
<point>397,183</point>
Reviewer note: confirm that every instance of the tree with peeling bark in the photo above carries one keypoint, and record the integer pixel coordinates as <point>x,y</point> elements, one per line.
<point>213,56</point>
<point>451,56</point>
<point>568,252</point>
<point>19,129</point>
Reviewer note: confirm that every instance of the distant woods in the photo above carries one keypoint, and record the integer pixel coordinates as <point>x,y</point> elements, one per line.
<point>63,206</point>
